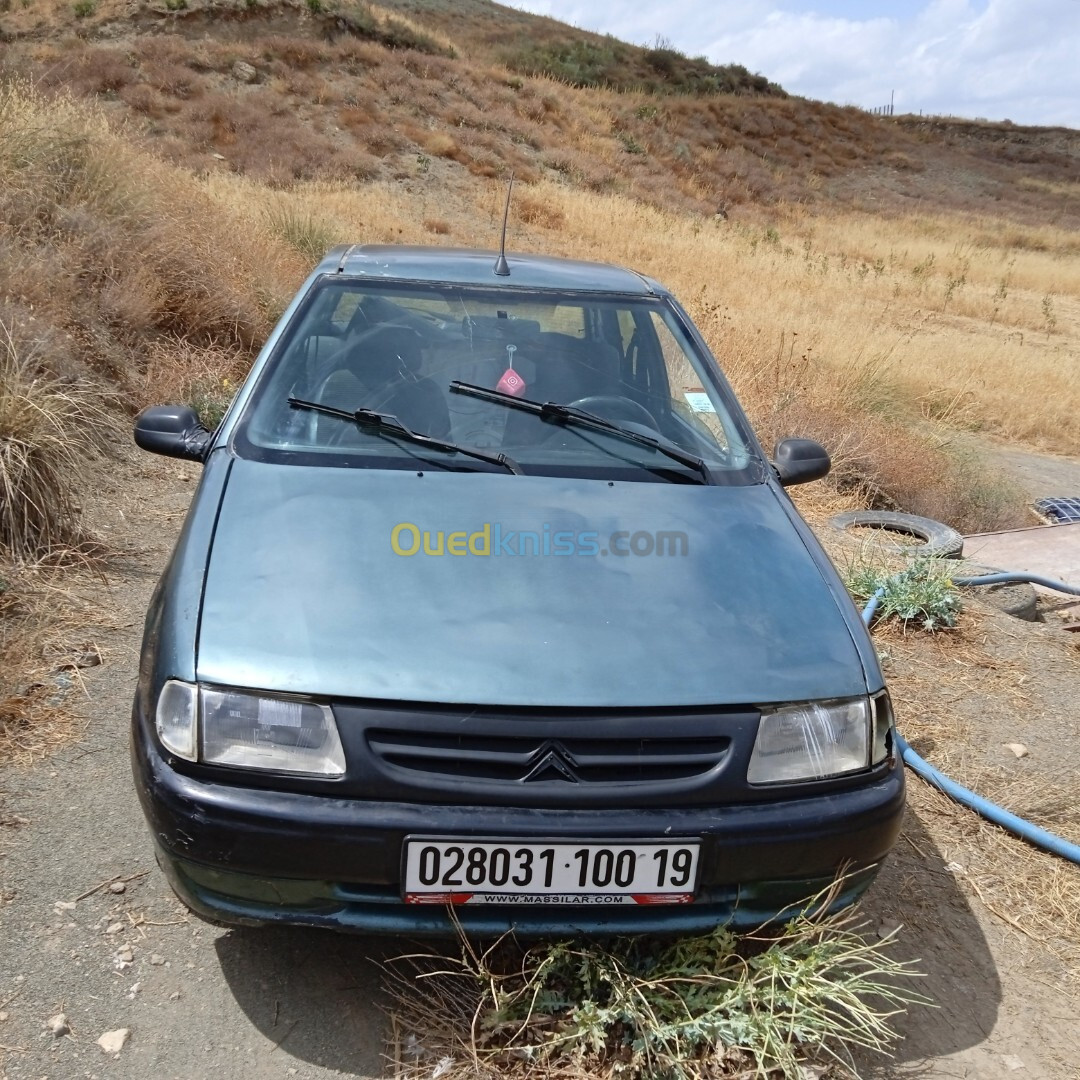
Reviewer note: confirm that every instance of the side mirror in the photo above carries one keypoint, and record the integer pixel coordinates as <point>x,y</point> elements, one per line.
<point>798,461</point>
<point>172,430</point>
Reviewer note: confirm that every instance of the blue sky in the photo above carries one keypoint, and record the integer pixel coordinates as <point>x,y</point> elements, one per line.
<point>998,59</point>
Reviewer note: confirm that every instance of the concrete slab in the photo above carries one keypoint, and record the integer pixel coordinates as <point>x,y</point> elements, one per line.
<point>1050,550</point>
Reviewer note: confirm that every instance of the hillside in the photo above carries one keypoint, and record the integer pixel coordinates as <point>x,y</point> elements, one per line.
<point>287,91</point>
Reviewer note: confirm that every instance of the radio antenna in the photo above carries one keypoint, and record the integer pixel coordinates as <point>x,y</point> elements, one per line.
<point>502,269</point>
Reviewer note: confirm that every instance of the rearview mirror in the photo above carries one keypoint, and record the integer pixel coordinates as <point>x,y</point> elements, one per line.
<point>172,430</point>
<point>798,461</point>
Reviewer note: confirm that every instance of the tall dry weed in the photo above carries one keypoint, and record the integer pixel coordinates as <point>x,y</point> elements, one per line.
<point>205,377</point>
<point>50,432</point>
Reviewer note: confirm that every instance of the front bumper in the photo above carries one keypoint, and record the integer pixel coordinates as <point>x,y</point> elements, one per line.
<point>244,856</point>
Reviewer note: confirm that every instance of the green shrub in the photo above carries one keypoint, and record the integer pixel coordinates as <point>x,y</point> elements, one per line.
<point>579,62</point>
<point>612,63</point>
<point>782,1002</point>
<point>84,8</point>
<point>921,593</point>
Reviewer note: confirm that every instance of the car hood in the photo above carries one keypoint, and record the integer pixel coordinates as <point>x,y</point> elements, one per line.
<point>304,593</point>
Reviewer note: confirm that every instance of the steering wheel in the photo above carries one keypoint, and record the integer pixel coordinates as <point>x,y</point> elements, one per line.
<point>613,407</point>
<point>327,432</point>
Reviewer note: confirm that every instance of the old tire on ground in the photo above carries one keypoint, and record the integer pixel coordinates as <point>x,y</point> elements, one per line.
<point>1016,598</point>
<point>938,539</point>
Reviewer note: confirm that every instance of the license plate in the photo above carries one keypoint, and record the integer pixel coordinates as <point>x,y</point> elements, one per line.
<point>470,871</point>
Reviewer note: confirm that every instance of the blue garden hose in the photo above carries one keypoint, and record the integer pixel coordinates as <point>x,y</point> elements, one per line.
<point>872,605</point>
<point>1034,579</point>
<point>1048,841</point>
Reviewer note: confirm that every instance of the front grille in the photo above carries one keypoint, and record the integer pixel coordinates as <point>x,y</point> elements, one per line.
<point>568,758</point>
<point>537,759</point>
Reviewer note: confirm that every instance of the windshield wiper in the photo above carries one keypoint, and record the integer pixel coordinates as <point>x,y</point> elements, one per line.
<point>568,414</point>
<point>392,427</point>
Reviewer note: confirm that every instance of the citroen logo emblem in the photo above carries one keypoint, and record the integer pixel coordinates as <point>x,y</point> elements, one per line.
<point>552,762</point>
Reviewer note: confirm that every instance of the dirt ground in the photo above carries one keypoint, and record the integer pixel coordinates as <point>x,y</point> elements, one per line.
<point>985,917</point>
<point>1040,475</point>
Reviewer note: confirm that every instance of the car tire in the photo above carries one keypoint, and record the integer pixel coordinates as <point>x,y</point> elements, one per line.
<point>1016,598</point>
<point>938,539</point>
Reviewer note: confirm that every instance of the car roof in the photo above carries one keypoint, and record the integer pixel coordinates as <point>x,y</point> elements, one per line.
<point>471,266</point>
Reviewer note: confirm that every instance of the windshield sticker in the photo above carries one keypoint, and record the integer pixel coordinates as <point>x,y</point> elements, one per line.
<point>699,401</point>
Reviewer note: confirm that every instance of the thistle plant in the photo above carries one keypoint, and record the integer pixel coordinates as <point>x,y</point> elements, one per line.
<point>763,1005</point>
<point>922,593</point>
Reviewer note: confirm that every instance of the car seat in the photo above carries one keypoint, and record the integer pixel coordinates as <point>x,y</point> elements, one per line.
<point>379,369</point>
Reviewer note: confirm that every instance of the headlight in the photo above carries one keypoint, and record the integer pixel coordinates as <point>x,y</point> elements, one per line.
<point>177,708</point>
<point>250,731</point>
<point>811,741</point>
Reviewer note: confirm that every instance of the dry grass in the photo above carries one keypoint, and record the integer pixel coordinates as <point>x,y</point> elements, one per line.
<point>960,694</point>
<point>1070,189</point>
<point>110,261</point>
<point>33,725</point>
<point>50,435</point>
<point>390,19</point>
<point>853,322</point>
<point>100,220</point>
<point>39,621</point>
<point>106,247</point>
<point>203,376</point>
<point>1035,895</point>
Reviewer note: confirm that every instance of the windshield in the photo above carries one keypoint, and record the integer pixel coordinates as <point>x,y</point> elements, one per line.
<point>395,348</point>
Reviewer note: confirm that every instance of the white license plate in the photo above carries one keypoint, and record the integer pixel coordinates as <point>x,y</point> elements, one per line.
<point>469,871</point>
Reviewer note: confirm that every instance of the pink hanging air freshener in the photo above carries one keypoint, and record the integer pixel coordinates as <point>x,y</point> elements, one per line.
<point>511,382</point>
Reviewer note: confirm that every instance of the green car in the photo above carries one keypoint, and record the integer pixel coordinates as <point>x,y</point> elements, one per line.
<point>490,605</point>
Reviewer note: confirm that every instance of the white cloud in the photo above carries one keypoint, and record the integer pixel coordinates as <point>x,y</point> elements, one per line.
<point>992,58</point>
